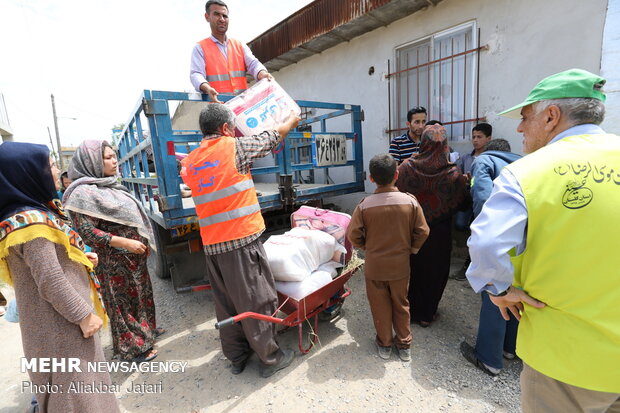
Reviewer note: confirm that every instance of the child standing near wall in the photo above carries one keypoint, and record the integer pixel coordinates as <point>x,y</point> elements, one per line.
<point>389,226</point>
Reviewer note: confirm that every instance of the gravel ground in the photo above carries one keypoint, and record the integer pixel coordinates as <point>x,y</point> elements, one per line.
<point>341,374</point>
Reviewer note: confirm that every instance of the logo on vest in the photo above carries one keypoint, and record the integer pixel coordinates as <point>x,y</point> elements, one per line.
<point>206,164</point>
<point>577,195</point>
<point>204,184</point>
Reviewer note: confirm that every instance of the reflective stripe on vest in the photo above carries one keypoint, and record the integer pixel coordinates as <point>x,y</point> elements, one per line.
<point>569,262</point>
<point>225,75</point>
<point>223,193</point>
<point>217,78</point>
<point>226,203</point>
<point>229,215</point>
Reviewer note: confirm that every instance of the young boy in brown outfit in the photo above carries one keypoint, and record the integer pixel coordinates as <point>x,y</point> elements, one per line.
<point>389,226</point>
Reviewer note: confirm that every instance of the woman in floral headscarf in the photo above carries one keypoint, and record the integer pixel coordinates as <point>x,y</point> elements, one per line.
<point>43,258</point>
<point>441,190</point>
<point>114,224</point>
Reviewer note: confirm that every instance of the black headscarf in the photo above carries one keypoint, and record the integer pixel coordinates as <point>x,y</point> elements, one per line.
<point>26,180</point>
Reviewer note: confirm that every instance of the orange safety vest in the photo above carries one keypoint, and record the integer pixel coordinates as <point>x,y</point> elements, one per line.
<point>225,76</point>
<point>226,201</point>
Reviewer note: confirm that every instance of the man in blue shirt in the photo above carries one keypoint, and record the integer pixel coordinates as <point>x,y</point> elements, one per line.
<point>496,336</point>
<point>481,135</point>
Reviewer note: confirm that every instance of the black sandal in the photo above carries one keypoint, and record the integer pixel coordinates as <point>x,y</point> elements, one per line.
<point>158,331</point>
<point>148,355</point>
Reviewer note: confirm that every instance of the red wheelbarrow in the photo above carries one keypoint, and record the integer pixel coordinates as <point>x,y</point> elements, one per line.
<point>310,306</point>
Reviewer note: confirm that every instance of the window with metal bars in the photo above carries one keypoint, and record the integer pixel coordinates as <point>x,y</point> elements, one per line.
<point>439,73</point>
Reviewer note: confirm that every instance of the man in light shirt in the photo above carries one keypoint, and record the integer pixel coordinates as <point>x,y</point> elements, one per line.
<point>543,247</point>
<point>219,64</point>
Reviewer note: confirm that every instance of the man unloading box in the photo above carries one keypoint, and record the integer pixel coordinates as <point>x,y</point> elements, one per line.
<point>219,64</point>
<point>229,215</point>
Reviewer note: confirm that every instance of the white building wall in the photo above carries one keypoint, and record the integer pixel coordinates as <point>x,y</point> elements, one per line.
<point>528,40</point>
<point>610,67</point>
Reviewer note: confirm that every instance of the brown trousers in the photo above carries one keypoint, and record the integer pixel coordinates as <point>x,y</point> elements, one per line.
<point>541,394</point>
<point>390,309</point>
<point>242,281</point>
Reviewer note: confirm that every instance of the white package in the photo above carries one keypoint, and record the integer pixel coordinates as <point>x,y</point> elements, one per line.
<point>301,289</point>
<point>297,253</point>
<point>330,267</point>
<point>264,106</point>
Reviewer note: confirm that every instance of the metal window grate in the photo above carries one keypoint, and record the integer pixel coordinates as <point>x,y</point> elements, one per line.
<point>439,73</point>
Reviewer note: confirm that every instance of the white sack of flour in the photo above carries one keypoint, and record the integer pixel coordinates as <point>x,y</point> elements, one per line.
<point>301,289</point>
<point>294,255</point>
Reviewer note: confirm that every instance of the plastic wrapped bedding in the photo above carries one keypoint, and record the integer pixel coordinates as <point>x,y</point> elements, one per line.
<point>297,253</point>
<point>317,279</point>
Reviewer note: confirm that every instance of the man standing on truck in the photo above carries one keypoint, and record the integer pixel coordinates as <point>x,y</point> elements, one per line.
<point>219,64</point>
<point>218,173</point>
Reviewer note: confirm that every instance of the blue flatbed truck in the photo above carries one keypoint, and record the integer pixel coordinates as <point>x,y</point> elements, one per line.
<point>321,158</point>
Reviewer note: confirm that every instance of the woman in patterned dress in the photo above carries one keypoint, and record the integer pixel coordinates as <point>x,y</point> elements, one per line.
<point>114,224</point>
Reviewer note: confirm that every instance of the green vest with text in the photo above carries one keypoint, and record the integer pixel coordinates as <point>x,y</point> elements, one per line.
<point>571,261</point>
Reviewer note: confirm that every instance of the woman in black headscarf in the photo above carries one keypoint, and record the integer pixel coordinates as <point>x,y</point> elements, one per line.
<point>441,190</point>
<point>43,258</point>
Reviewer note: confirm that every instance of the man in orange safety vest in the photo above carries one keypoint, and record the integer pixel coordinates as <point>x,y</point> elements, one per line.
<point>220,64</point>
<point>229,215</point>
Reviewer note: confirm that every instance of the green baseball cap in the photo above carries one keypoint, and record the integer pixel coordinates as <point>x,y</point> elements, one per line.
<point>573,83</point>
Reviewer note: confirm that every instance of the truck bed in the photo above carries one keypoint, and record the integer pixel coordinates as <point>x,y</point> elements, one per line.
<point>266,190</point>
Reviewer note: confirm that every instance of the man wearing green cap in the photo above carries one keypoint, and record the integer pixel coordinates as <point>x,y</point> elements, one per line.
<point>545,246</point>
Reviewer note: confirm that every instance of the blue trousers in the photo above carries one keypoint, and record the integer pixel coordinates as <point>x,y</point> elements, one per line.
<point>462,219</point>
<point>495,335</point>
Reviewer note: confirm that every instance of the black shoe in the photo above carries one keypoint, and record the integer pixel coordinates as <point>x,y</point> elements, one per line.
<point>285,361</point>
<point>460,274</point>
<point>470,355</point>
<point>238,367</point>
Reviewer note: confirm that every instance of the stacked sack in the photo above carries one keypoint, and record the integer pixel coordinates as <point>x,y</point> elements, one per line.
<point>303,260</point>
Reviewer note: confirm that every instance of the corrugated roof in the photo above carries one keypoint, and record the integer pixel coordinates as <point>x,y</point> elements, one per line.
<point>323,24</point>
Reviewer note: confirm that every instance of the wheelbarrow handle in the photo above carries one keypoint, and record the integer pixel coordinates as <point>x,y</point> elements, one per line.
<point>248,314</point>
<point>224,323</point>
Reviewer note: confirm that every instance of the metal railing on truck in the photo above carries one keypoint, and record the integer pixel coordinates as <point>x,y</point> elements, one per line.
<point>321,158</point>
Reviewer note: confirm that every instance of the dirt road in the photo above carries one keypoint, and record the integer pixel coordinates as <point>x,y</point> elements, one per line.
<point>342,374</point>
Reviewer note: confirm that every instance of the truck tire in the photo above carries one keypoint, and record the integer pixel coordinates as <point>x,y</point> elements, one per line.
<point>160,262</point>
